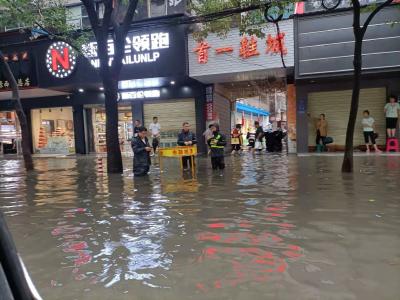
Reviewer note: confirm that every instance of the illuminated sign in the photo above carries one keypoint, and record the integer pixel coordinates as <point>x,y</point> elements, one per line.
<point>248,48</point>
<point>143,48</point>
<point>140,94</point>
<point>60,59</point>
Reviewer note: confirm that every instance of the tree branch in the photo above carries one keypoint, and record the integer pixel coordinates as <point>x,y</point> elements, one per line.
<point>129,15</point>
<point>356,16</point>
<point>108,9</point>
<point>94,19</point>
<point>374,13</point>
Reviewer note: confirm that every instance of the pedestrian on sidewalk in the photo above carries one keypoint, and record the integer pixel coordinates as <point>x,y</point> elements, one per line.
<point>322,132</point>
<point>155,130</point>
<point>368,123</point>
<point>217,144</point>
<point>186,138</point>
<point>141,149</point>
<point>392,112</point>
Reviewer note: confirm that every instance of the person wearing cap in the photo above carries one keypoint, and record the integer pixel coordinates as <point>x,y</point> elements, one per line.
<point>141,149</point>
<point>217,144</point>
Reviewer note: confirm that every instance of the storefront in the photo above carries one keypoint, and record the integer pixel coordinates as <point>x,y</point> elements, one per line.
<point>10,134</point>
<point>323,75</point>
<point>245,76</point>
<point>53,130</point>
<point>65,108</point>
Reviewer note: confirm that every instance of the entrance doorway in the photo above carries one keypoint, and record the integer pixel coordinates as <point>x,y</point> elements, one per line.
<point>264,101</point>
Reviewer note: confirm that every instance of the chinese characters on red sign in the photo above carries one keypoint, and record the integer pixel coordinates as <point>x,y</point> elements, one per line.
<point>248,47</point>
<point>275,44</point>
<point>202,52</point>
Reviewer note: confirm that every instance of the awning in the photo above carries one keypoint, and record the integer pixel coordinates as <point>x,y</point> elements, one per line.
<point>240,107</point>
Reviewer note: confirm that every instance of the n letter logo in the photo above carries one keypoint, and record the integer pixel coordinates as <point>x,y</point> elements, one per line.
<point>60,60</point>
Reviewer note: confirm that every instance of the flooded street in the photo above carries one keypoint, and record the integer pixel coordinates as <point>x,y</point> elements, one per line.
<point>270,227</point>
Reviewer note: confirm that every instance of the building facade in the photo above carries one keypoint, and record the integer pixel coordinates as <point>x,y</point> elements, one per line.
<point>63,94</point>
<point>324,46</point>
<point>246,78</point>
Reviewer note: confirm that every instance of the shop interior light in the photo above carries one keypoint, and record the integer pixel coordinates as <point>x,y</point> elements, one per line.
<point>81,90</point>
<point>172,82</point>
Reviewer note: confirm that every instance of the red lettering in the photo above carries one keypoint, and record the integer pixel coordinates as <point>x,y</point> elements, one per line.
<point>57,59</point>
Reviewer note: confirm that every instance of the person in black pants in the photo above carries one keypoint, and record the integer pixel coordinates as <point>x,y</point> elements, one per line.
<point>217,144</point>
<point>186,138</point>
<point>141,148</point>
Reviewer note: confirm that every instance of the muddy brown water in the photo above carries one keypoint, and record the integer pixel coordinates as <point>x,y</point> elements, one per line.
<point>268,227</point>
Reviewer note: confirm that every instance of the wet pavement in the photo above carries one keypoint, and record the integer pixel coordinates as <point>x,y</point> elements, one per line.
<point>268,227</point>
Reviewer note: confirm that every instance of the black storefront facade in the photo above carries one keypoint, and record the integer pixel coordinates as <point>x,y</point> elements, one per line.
<point>323,71</point>
<point>66,111</point>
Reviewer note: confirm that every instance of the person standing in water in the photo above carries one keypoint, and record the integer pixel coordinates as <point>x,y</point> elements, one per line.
<point>141,148</point>
<point>186,138</point>
<point>368,129</point>
<point>155,130</point>
<point>217,144</point>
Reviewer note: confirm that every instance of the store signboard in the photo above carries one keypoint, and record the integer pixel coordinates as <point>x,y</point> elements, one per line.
<point>139,48</point>
<point>60,59</point>
<point>210,103</point>
<point>20,63</point>
<point>140,94</point>
<point>148,53</point>
<point>217,59</point>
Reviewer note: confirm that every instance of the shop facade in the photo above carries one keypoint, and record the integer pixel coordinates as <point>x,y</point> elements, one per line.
<point>324,53</point>
<point>65,106</point>
<point>245,77</point>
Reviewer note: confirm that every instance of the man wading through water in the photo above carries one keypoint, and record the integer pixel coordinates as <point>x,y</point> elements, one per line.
<point>141,148</point>
<point>186,138</point>
<point>217,144</point>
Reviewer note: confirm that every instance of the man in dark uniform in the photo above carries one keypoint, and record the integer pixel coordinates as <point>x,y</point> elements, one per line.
<point>141,148</point>
<point>186,138</point>
<point>217,144</point>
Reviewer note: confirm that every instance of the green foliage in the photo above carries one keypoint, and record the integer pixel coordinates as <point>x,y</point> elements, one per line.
<point>48,15</point>
<point>251,22</point>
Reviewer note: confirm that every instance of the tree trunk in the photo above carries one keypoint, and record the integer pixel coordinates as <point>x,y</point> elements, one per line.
<point>347,165</point>
<point>25,134</point>
<point>114,158</point>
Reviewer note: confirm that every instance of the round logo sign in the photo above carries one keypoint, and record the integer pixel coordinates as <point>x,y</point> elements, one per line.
<point>60,59</point>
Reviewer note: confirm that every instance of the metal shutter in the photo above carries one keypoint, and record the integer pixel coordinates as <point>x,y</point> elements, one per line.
<point>336,106</point>
<point>171,115</point>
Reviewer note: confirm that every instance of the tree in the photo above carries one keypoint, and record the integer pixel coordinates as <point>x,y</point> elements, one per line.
<point>359,31</point>
<point>25,134</point>
<point>273,10</point>
<point>114,24</point>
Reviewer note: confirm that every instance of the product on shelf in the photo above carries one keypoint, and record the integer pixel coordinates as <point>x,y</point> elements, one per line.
<point>42,138</point>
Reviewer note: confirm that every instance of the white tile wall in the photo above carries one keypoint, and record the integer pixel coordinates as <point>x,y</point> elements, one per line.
<point>232,62</point>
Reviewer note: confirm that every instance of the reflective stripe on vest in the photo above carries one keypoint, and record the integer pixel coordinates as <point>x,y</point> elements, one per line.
<point>216,146</point>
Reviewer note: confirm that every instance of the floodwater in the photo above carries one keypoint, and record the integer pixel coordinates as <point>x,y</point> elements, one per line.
<point>268,227</point>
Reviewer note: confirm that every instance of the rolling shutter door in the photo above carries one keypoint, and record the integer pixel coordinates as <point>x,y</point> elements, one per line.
<point>336,106</point>
<point>171,115</point>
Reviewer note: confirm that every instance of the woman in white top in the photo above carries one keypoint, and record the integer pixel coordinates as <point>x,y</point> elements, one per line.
<point>368,128</point>
<point>392,110</point>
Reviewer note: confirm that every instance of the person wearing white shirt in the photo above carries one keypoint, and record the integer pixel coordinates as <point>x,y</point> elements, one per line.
<point>155,130</point>
<point>368,128</point>
<point>392,111</point>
